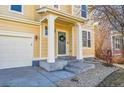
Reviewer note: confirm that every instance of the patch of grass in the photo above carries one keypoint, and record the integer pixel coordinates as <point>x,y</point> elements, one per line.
<point>116,79</point>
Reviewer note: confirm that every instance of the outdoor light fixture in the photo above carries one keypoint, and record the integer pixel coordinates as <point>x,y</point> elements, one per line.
<point>36,37</point>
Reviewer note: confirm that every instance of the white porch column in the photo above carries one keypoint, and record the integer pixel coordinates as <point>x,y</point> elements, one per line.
<point>79,41</point>
<point>51,43</point>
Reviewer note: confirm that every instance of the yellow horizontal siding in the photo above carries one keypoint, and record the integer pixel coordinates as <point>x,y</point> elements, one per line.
<point>29,12</point>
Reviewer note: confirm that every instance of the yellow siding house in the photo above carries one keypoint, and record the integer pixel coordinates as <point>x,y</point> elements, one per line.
<point>44,32</point>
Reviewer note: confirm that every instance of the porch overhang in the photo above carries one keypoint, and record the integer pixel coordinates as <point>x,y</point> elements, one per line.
<point>61,15</point>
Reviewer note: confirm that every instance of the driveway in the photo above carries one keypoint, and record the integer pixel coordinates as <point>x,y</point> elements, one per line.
<point>31,77</point>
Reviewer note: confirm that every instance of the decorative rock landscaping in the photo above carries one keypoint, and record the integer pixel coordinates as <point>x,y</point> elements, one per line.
<point>89,78</point>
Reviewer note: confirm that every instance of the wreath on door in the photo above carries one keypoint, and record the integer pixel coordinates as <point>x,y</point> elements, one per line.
<point>62,38</point>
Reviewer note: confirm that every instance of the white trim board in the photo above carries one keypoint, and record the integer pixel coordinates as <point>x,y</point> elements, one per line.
<point>12,33</point>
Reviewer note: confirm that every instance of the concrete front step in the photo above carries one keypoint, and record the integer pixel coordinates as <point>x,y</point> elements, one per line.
<point>73,69</point>
<point>74,61</point>
<point>58,65</point>
<point>67,57</point>
<point>79,67</point>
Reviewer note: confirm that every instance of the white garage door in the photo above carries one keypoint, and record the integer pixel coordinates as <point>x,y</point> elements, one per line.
<point>15,51</point>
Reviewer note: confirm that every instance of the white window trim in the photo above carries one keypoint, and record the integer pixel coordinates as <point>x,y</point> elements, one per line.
<point>17,11</point>
<point>87,37</point>
<point>116,42</point>
<point>86,12</point>
<point>56,8</point>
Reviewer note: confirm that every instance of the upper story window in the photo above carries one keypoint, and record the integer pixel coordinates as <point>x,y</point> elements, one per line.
<point>84,11</point>
<point>56,6</point>
<point>86,36</point>
<point>16,8</point>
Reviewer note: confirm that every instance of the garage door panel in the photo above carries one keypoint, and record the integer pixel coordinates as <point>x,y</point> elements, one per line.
<point>15,51</point>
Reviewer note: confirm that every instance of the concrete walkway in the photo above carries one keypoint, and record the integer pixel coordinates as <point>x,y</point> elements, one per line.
<point>31,77</point>
<point>37,77</point>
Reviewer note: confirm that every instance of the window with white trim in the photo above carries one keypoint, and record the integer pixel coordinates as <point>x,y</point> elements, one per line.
<point>117,42</point>
<point>84,11</point>
<point>16,8</point>
<point>56,6</point>
<point>86,38</point>
<point>46,31</point>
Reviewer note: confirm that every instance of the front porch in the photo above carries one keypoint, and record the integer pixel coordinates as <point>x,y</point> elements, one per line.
<point>61,42</point>
<point>64,35</point>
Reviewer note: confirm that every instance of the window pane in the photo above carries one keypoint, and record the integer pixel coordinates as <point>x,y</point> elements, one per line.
<point>84,43</point>
<point>89,43</point>
<point>84,7</point>
<point>56,6</point>
<point>46,30</point>
<point>84,37</point>
<point>17,8</point>
<point>84,14</point>
<point>89,35</point>
<point>117,42</point>
<point>84,11</point>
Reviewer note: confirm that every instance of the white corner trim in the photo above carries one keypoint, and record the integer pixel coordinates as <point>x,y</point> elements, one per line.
<point>22,13</point>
